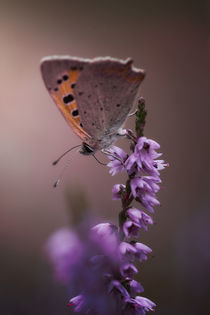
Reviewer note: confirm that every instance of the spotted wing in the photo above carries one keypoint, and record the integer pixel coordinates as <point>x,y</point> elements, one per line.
<point>106,92</point>
<point>60,76</point>
<point>95,96</point>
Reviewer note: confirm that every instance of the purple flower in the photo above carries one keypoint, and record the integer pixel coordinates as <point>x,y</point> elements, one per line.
<point>106,236</point>
<point>143,158</point>
<point>117,288</point>
<point>149,201</point>
<point>147,146</point>
<point>101,292</point>
<point>64,250</point>
<point>104,229</point>
<point>139,306</point>
<point>127,250</point>
<point>160,164</point>
<point>140,144</point>
<point>141,251</point>
<point>144,188</point>
<point>139,217</point>
<point>128,270</point>
<point>117,157</point>
<point>152,182</point>
<point>135,287</point>
<point>117,191</point>
<point>145,303</point>
<point>133,163</point>
<point>78,302</point>
<point>132,307</point>
<point>131,228</point>
<point>139,186</point>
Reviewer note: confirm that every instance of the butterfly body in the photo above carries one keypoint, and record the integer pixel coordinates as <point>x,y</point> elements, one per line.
<point>93,145</point>
<point>94,96</point>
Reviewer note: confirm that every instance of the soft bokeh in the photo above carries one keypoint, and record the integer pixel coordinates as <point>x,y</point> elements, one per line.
<point>170,40</point>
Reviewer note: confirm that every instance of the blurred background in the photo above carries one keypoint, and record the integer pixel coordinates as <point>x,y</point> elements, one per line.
<point>170,40</point>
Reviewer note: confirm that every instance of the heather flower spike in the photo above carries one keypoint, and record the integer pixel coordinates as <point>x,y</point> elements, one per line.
<point>101,274</point>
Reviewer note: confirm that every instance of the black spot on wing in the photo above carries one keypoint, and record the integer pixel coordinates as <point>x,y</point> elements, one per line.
<point>65,77</point>
<point>73,85</point>
<point>75,113</point>
<point>59,81</point>
<point>68,98</point>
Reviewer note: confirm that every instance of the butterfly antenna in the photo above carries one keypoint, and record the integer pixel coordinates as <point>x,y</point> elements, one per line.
<point>63,171</point>
<point>62,155</point>
<point>98,160</point>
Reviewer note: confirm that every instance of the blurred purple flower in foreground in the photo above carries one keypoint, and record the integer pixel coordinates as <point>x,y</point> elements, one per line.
<point>100,270</point>
<point>64,250</point>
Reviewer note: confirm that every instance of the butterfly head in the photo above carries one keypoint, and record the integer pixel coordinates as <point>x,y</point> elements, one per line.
<point>86,149</point>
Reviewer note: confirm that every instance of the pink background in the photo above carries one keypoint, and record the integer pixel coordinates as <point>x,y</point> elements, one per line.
<point>170,40</point>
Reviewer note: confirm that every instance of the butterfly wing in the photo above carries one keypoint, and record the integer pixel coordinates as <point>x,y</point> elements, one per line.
<point>106,92</point>
<point>95,96</point>
<point>60,75</point>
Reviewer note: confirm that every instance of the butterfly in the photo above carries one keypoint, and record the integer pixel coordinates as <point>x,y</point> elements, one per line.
<point>95,96</point>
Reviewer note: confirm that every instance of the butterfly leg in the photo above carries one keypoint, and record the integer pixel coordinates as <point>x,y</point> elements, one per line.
<point>131,136</point>
<point>132,114</point>
<point>127,133</point>
<point>113,155</point>
<point>98,160</point>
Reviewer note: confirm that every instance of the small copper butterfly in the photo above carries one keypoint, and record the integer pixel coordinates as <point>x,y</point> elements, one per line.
<point>94,96</point>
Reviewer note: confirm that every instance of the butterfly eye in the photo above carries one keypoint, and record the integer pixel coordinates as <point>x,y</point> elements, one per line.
<point>86,149</point>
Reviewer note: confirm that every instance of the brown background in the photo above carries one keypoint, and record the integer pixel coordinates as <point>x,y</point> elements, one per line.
<point>170,40</point>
